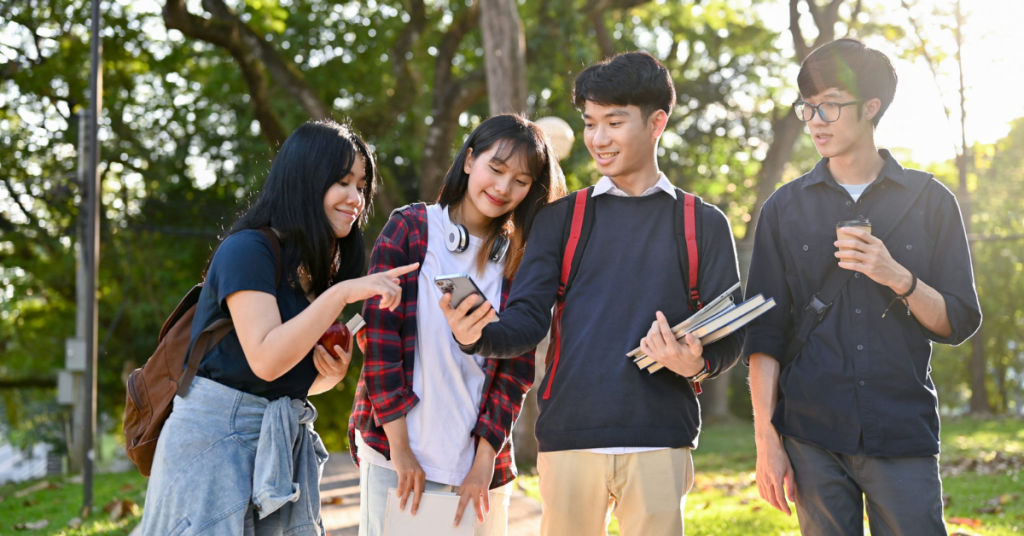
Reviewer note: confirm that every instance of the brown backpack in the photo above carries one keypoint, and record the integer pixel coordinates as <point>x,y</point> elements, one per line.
<point>152,387</point>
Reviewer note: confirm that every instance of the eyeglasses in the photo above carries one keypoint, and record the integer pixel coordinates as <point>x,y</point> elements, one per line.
<point>828,111</point>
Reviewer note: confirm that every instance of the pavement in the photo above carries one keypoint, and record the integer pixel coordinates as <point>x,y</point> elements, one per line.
<point>339,490</point>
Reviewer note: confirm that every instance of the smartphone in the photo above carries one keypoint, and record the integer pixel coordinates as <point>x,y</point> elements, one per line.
<point>461,286</point>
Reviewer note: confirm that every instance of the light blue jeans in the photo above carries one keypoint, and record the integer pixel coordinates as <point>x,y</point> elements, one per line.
<point>231,463</point>
<point>374,482</point>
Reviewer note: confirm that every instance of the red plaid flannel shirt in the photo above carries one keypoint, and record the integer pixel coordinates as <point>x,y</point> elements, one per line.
<point>384,392</point>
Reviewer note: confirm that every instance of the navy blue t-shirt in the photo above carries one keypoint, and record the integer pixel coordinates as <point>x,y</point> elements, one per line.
<point>245,261</point>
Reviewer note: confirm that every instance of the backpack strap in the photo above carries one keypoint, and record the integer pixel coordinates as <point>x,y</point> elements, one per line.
<point>275,244</point>
<point>219,328</point>
<point>687,244</point>
<point>581,221</point>
<point>578,232</point>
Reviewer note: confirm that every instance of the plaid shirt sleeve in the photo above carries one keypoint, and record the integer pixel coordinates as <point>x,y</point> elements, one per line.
<point>505,394</point>
<point>388,390</point>
<point>504,400</point>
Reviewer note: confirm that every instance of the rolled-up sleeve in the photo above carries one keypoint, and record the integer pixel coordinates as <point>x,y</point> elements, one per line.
<point>953,276</point>
<point>768,333</point>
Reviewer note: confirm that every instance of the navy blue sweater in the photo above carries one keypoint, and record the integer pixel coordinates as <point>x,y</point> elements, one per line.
<point>628,271</point>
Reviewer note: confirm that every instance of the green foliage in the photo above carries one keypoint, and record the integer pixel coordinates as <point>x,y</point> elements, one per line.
<point>182,152</point>
<point>996,187</point>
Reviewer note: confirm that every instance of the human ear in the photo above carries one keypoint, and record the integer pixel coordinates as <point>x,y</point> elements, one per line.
<point>871,108</point>
<point>469,160</point>
<point>658,121</point>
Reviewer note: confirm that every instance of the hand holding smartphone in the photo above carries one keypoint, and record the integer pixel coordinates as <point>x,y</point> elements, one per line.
<point>461,286</point>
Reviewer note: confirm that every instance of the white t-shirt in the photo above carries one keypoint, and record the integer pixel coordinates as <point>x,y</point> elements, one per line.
<point>448,382</point>
<point>855,189</point>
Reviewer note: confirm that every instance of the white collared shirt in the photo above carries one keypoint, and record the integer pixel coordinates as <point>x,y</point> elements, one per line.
<point>606,186</point>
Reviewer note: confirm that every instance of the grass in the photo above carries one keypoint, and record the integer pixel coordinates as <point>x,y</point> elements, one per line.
<point>60,501</point>
<point>982,460</point>
<point>983,466</point>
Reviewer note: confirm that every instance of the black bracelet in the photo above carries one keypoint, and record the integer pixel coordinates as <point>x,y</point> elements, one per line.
<point>903,297</point>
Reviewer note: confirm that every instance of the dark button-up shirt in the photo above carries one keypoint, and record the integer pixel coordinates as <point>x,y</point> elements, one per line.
<point>859,377</point>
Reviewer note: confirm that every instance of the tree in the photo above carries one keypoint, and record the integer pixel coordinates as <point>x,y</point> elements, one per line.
<point>200,94</point>
<point>785,126</point>
<point>504,55</point>
<point>979,402</point>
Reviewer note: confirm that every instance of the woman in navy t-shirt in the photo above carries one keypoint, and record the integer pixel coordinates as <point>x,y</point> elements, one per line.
<point>238,455</point>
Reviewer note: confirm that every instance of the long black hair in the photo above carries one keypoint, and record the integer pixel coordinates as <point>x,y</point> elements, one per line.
<point>515,137</point>
<point>315,156</point>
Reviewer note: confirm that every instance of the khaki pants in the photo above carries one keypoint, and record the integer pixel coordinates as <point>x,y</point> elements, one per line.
<point>646,491</point>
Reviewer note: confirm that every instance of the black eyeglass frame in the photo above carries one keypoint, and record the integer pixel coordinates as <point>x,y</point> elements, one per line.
<point>817,109</point>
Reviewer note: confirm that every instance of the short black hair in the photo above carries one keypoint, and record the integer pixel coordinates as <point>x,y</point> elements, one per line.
<point>850,65</point>
<point>631,78</point>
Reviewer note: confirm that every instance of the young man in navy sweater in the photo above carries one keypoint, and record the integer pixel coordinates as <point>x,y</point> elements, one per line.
<point>852,415</point>
<point>611,435</point>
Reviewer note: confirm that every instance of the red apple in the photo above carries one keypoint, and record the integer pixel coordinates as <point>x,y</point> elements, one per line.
<point>337,334</point>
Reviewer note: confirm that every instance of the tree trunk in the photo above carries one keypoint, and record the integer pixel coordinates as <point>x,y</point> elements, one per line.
<point>714,401</point>
<point>785,131</point>
<point>224,35</point>
<point>787,128</point>
<point>524,433</point>
<point>504,56</point>
<point>452,96</point>
<point>979,391</point>
<point>437,148</point>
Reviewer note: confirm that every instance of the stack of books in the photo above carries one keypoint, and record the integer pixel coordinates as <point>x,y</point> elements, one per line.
<point>717,319</point>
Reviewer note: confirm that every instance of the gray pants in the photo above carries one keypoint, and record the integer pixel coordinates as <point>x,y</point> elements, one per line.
<point>904,495</point>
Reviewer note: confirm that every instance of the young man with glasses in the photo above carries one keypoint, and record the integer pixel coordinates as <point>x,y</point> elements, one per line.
<point>845,410</point>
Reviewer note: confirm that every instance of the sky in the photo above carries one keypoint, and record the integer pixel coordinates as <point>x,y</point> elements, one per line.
<point>993,73</point>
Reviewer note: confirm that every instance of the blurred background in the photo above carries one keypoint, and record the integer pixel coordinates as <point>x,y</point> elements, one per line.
<point>198,94</point>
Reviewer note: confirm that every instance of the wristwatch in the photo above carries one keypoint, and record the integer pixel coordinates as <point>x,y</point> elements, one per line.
<point>703,373</point>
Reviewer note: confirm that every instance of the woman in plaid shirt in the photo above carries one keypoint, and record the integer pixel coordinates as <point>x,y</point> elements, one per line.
<point>428,417</point>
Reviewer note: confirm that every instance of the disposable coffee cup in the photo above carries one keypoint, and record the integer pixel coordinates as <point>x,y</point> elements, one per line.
<point>862,223</point>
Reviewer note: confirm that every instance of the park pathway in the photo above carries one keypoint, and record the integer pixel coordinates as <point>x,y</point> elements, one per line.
<point>341,482</point>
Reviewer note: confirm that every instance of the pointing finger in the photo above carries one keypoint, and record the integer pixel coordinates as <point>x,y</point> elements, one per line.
<point>401,270</point>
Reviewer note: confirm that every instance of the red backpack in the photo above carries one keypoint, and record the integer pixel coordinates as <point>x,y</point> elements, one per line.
<point>581,218</point>
<point>152,387</point>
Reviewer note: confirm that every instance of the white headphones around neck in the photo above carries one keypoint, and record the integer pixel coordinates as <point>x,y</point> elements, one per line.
<point>456,239</point>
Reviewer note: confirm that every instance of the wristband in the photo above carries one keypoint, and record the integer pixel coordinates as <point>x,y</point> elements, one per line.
<point>903,297</point>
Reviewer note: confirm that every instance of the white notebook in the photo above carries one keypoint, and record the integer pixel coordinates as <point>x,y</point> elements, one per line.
<point>435,516</point>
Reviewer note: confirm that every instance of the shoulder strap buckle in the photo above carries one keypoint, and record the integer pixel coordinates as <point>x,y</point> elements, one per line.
<point>818,307</point>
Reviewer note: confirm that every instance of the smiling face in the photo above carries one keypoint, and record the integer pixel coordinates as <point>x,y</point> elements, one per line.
<point>620,140</point>
<point>850,132</point>
<point>495,188</point>
<point>344,201</point>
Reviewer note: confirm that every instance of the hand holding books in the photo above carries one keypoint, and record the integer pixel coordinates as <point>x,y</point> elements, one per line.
<point>717,319</point>
<point>683,356</point>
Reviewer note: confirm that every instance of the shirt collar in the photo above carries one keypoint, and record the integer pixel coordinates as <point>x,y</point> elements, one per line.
<point>606,186</point>
<point>891,170</point>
